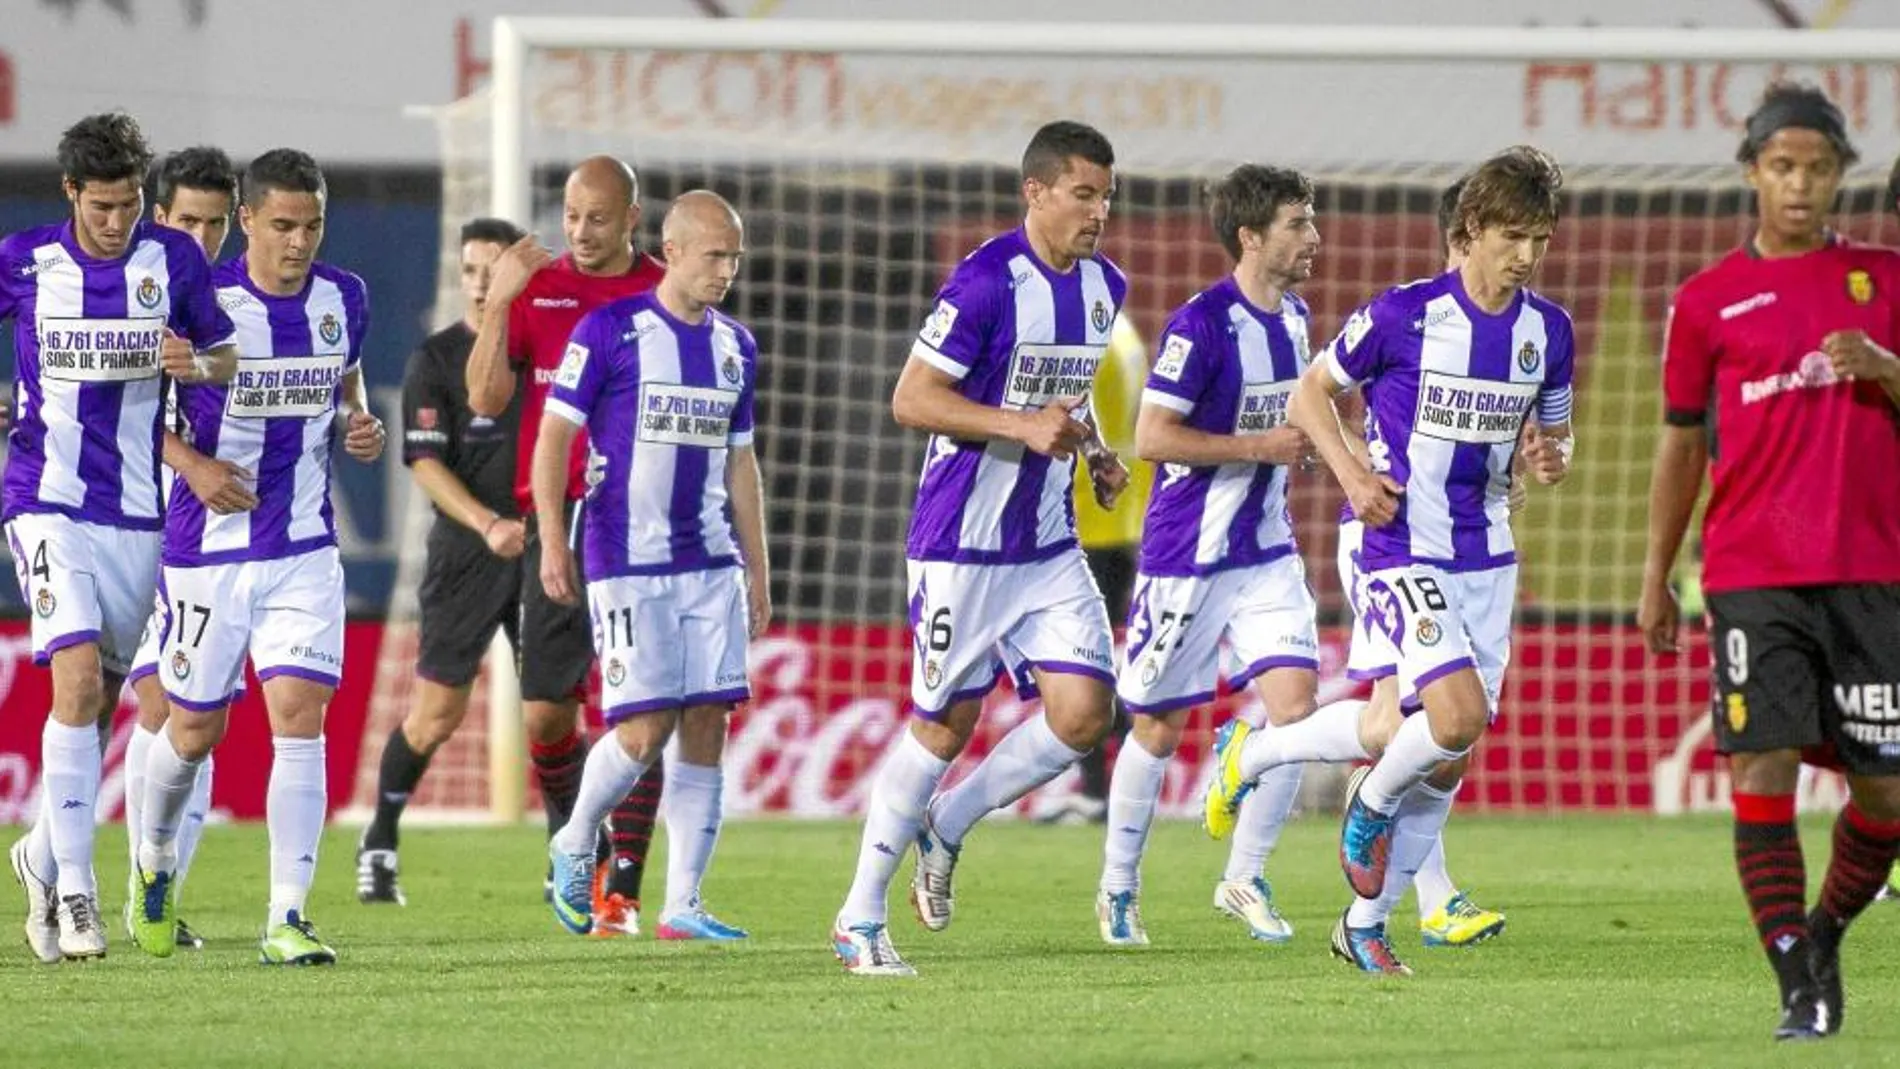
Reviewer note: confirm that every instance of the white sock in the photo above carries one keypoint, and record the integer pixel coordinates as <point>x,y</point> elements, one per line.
<point>39,841</point>
<point>294,811</point>
<point>609,774</point>
<point>69,774</point>
<point>892,816</point>
<point>1027,758</point>
<point>1133,790</point>
<point>1331,734</point>
<point>1262,814</point>
<point>192,828</point>
<point>1433,883</point>
<point>692,815</point>
<point>136,749</point>
<point>1420,817</point>
<point>1408,759</point>
<point>168,782</point>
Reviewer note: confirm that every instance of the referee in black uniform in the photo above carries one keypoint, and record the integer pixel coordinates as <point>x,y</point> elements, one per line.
<point>472,583</point>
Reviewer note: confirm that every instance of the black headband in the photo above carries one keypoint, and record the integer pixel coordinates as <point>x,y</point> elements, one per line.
<point>1804,112</point>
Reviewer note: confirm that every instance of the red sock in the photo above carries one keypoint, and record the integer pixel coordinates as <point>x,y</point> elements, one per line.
<point>1864,850</point>
<point>557,768</point>
<point>1768,857</point>
<point>632,827</point>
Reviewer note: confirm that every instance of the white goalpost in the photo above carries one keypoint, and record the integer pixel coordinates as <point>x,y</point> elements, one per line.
<point>866,157</point>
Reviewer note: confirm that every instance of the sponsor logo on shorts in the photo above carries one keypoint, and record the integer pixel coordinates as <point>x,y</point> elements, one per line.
<point>181,665</point>
<point>616,672</point>
<point>44,603</point>
<point>1737,713</point>
<point>933,674</point>
<point>1094,657</point>
<point>311,653</point>
<point>729,679</point>
<point>149,294</point>
<point>1428,631</point>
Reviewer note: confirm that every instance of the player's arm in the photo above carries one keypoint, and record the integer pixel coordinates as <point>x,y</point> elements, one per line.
<point>222,486</point>
<point>1162,436</point>
<point>364,435</point>
<point>1350,407</point>
<point>548,478</point>
<point>491,375</point>
<point>746,490</point>
<point>426,449</point>
<point>1854,355</point>
<point>927,399</point>
<point>200,344</point>
<point>1675,479</point>
<point>1351,358</point>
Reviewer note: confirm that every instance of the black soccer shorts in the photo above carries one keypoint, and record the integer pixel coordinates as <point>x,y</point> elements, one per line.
<point>466,593</point>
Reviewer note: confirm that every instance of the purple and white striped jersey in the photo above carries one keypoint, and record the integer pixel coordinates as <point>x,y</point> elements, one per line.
<point>1229,368</point>
<point>277,419</point>
<point>1016,335</point>
<point>663,401</point>
<point>86,335</point>
<point>1448,387</point>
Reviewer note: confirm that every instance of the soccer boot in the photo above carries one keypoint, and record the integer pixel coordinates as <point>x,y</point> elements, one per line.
<point>1365,841</point>
<point>573,897</point>
<point>1804,1016</point>
<point>1824,950</point>
<point>865,950</point>
<point>1460,923</point>
<point>42,907</point>
<point>376,877</point>
<point>294,942</point>
<point>186,938</point>
<point>1251,902</point>
<point>154,913</point>
<point>1220,807</point>
<point>614,913</point>
<point>81,934</point>
<point>1119,915</point>
<point>697,924</point>
<point>1366,949</point>
<point>930,893</point>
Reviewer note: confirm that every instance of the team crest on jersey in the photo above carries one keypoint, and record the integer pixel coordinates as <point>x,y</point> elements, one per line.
<point>933,674</point>
<point>44,603</point>
<point>616,672</point>
<point>329,329</point>
<point>730,369</point>
<point>1860,286</point>
<point>1429,633</point>
<point>181,665</point>
<point>1100,317</point>
<point>1737,713</point>
<point>1528,358</point>
<point>148,294</point>
<point>425,419</point>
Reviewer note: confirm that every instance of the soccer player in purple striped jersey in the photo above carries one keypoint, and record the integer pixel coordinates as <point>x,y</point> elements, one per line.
<point>999,375</point>
<point>106,308</point>
<point>1452,368</point>
<point>266,583</point>
<point>678,581</point>
<point>1219,567</point>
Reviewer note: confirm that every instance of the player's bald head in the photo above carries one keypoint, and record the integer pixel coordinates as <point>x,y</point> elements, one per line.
<point>698,214</point>
<point>604,177</point>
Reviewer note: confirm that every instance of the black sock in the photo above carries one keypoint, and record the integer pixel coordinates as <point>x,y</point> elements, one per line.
<point>401,770</point>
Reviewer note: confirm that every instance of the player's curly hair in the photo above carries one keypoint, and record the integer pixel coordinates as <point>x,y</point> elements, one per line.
<point>108,147</point>
<point>1520,186</point>
<point>1249,198</point>
<point>199,167</point>
<point>283,169</point>
<point>1049,151</point>
<point>1799,105</point>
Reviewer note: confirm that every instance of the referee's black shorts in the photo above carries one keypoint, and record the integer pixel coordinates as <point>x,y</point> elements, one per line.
<point>467,592</point>
<point>557,641</point>
<point>1809,668</point>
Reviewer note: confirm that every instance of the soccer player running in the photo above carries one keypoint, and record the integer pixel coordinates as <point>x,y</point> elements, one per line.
<point>1358,731</point>
<point>267,582</point>
<point>534,303</point>
<point>999,375</point>
<point>678,580</point>
<point>105,306</point>
<point>195,190</point>
<point>1218,561</point>
<point>1779,374</point>
<point>471,584</point>
<point>1452,368</point>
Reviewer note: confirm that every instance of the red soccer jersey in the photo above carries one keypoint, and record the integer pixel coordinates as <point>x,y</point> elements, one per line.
<point>1805,465</point>
<point>539,324</point>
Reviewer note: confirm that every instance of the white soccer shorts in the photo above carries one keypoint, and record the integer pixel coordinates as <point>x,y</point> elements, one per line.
<point>145,661</point>
<point>1368,656</point>
<point>669,641</point>
<point>286,614</point>
<point>1264,614</point>
<point>84,583</point>
<point>1432,622</point>
<point>972,622</point>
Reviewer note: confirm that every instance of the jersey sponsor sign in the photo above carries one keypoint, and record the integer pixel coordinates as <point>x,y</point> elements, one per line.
<point>100,350</point>
<point>1038,374</point>
<point>1456,408</point>
<point>1263,406</point>
<point>671,414</point>
<point>279,387</point>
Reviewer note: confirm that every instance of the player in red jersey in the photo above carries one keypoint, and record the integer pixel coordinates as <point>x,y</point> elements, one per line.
<point>534,302</point>
<point>1779,374</point>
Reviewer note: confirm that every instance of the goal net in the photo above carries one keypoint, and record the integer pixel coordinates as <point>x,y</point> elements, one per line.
<point>866,158</point>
